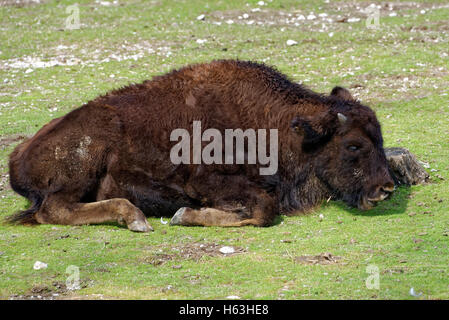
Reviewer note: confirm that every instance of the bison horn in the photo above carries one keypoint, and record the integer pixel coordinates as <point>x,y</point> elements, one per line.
<point>341,118</point>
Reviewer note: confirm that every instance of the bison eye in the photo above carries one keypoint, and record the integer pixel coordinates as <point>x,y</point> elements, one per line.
<point>353,148</point>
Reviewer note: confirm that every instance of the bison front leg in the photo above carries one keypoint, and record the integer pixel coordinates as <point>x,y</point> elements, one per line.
<point>208,217</point>
<point>58,211</point>
<point>259,214</point>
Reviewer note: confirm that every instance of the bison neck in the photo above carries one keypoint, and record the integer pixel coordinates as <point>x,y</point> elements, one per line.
<point>299,189</point>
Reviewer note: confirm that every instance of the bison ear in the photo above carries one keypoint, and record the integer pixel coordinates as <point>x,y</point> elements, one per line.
<point>314,130</point>
<point>341,93</point>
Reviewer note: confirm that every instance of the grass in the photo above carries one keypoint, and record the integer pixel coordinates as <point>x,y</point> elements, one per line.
<point>399,69</point>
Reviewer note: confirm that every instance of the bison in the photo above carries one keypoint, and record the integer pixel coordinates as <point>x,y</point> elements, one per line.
<point>109,160</point>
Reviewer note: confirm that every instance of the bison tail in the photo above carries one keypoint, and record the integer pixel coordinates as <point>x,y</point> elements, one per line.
<point>26,217</point>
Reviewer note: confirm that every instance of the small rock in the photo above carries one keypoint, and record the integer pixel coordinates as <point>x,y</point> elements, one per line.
<point>291,42</point>
<point>227,250</point>
<point>39,265</point>
<point>201,41</point>
<point>201,17</point>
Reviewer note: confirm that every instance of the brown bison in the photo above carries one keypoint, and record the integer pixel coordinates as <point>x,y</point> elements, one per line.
<point>109,160</point>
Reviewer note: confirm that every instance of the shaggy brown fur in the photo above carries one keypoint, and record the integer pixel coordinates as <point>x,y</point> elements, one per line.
<point>109,159</point>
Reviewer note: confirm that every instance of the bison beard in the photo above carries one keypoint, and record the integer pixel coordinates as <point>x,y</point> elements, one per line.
<point>109,160</point>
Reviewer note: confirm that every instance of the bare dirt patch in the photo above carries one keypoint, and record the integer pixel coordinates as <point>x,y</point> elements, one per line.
<point>385,8</point>
<point>407,86</point>
<point>190,251</point>
<point>269,17</point>
<point>329,18</point>
<point>43,292</point>
<point>5,141</point>
<point>395,271</point>
<point>323,258</point>
<point>4,182</point>
<point>96,53</point>
<point>20,3</point>
<point>56,291</point>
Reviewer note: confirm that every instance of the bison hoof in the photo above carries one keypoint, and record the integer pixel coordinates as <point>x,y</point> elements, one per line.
<point>140,226</point>
<point>176,220</point>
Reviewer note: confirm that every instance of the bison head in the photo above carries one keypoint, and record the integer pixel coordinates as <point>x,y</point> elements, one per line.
<point>346,146</point>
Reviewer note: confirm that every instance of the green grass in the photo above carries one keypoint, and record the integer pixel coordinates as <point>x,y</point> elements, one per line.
<point>405,237</point>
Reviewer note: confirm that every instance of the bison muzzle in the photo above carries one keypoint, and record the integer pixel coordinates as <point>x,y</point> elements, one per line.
<point>109,160</point>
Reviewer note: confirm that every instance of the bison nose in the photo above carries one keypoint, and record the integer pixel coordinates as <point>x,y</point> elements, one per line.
<point>387,188</point>
<point>382,192</point>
